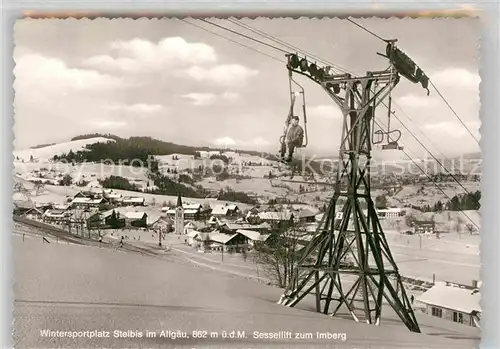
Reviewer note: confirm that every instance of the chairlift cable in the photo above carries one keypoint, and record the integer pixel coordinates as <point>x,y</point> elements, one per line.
<point>423,146</point>
<point>287,45</point>
<point>418,127</point>
<point>430,82</point>
<point>367,30</point>
<point>453,111</point>
<point>234,41</point>
<point>434,182</point>
<point>243,35</point>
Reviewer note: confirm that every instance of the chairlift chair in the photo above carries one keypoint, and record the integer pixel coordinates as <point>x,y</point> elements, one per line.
<point>293,98</point>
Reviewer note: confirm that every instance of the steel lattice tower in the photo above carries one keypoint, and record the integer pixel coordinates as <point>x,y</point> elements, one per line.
<point>348,263</point>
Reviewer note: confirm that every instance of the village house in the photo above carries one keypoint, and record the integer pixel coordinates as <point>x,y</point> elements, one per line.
<point>196,225</point>
<point>233,227</point>
<point>277,220</point>
<point>226,210</point>
<point>21,207</point>
<point>215,241</point>
<point>55,216</point>
<point>86,202</point>
<point>136,219</point>
<point>113,197</point>
<point>424,227</point>
<point>391,213</point>
<point>33,213</point>
<point>194,212</point>
<point>306,216</point>
<point>453,302</point>
<point>162,224</point>
<point>254,238</point>
<point>133,201</point>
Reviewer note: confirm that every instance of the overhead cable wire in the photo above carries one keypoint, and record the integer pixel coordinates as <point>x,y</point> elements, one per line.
<point>453,111</point>
<point>418,128</point>
<point>433,181</point>
<point>431,154</point>
<point>287,45</point>
<point>243,35</point>
<point>430,81</point>
<point>234,41</point>
<point>367,30</point>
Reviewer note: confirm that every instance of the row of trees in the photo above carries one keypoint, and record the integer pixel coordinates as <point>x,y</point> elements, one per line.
<point>469,201</point>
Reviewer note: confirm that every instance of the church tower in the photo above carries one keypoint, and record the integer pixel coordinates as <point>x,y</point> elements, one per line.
<point>179,216</point>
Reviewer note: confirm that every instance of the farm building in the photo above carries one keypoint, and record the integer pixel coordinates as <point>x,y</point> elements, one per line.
<point>453,302</point>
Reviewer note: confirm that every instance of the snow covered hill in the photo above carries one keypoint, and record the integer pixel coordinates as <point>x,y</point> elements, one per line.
<point>46,153</point>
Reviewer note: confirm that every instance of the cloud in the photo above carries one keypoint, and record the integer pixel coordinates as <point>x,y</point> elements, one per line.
<point>230,96</point>
<point>139,108</point>
<point>324,111</point>
<point>453,129</point>
<point>201,99</point>
<point>139,55</point>
<point>231,142</point>
<point>416,101</point>
<point>204,99</point>
<point>225,74</point>
<point>38,74</point>
<point>109,124</point>
<point>456,78</point>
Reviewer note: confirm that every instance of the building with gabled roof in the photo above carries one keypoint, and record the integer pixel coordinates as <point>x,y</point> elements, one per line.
<point>453,302</point>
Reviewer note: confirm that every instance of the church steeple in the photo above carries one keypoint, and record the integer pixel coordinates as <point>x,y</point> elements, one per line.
<point>179,200</point>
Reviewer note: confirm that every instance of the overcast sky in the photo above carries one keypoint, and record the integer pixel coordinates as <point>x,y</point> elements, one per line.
<point>170,80</point>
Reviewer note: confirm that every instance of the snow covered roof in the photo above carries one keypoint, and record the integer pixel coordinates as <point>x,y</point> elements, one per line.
<point>55,213</point>
<point>275,216</point>
<point>452,297</point>
<point>390,210</point>
<point>236,226</point>
<point>135,215</point>
<point>133,199</point>
<point>89,201</point>
<point>306,213</point>
<point>190,211</point>
<point>220,237</point>
<point>253,235</point>
<point>220,210</point>
<point>191,206</point>
<point>193,233</point>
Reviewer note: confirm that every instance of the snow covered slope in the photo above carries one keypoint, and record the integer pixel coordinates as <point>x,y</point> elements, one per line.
<point>46,153</point>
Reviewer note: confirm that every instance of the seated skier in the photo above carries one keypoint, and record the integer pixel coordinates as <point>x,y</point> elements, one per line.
<point>293,139</point>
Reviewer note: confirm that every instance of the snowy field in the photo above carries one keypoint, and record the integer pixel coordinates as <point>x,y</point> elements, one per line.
<point>98,288</point>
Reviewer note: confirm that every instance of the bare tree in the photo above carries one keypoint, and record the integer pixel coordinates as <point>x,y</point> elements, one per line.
<point>39,188</point>
<point>470,228</point>
<point>280,256</point>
